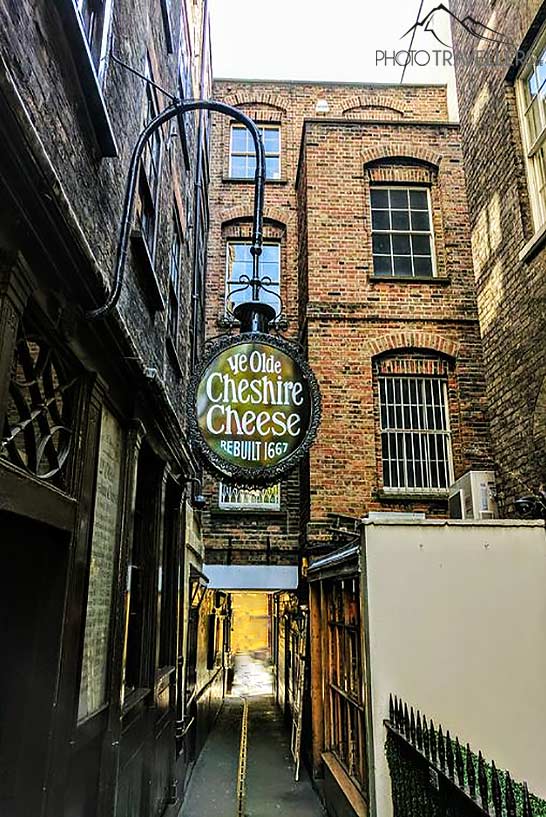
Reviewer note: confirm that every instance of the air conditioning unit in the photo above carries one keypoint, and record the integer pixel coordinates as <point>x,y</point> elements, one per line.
<point>472,496</point>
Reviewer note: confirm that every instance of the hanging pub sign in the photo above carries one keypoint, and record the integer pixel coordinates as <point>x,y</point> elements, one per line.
<point>254,408</point>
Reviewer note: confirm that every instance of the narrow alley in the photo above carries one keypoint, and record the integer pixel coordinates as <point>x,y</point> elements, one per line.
<point>246,768</point>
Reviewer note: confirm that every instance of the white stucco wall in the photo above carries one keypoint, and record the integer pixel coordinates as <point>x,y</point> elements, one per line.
<point>457,628</point>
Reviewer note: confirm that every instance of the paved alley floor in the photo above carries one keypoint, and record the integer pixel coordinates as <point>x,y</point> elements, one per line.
<point>269,785</point>
<point>212,791</point>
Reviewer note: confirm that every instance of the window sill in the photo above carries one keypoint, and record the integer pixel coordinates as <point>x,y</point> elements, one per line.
<point>249,511</point>
<point>533,246</point>
<point>346,785</point>
<point>173,357</point>
<point>152,284</point>
<point>410,279</point>
<point>92,92</point>
<point>225,322</point>
<point>237,180</point>
<point>408,496</point>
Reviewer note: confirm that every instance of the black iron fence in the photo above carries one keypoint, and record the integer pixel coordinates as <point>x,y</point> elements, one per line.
<point>433,775</point>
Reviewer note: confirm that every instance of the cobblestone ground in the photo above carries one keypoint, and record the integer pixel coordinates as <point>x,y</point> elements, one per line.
<point>270,786</point>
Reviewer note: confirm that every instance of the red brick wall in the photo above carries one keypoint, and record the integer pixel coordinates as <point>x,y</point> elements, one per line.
<point>321,204</point>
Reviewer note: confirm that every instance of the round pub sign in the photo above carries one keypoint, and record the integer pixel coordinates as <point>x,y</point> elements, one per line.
<point>254,409</point>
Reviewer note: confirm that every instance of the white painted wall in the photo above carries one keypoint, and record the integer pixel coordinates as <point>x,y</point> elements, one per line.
<point>457,628</point>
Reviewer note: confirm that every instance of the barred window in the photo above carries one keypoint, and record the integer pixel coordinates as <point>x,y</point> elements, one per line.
<point>239,272</point>
<point>243,156</point>
<point>415,433</point>
<point>347,733</point>
<point>231,497</point>
<point>532,107</point>
<point>402,237</point>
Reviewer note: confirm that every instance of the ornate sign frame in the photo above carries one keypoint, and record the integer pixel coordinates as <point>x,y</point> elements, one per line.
<point>232,473</point>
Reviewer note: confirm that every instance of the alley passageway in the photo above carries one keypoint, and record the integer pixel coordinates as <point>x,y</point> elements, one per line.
<point>269,786</point>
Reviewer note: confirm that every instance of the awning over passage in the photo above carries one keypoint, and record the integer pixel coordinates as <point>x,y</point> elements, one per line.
<point>252,577</point>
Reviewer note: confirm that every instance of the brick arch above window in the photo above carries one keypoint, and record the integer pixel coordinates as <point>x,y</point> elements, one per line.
<point>242,100</point>
<point>272,215</point>
<point>381,101</point>
<point>373,112</point>
<point>403,342</point>
<point>390,153</point>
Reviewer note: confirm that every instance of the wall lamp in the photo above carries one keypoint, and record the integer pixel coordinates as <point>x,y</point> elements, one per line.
<point>198,500</point>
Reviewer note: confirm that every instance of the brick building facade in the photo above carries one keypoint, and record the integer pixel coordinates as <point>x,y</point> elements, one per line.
<point>502,131</point>
<point>385,310</point>
<point>108,683</point>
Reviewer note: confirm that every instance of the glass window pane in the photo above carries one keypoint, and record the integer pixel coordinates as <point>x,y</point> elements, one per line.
<point>381,243</point>
<point>250,168</point>
<point>238,140</point>
<point>399,199</point>
<point>270,252</point>
<point>401,244</point>
<point>382,265</point>
<point>418,200</point>
<point>271,140</point>
<point>400,220</point>
<point>402,265</point>
<point>423,265</point>
<point>272,167</point>
<point>420,220</point>
<point>379,198</point>
<point>380,220</point>
<point>420,244</point>
<point>533,83</point>
<point>238,166</point>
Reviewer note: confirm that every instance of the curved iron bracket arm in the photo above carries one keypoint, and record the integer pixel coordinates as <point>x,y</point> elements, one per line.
<point>180,107</point>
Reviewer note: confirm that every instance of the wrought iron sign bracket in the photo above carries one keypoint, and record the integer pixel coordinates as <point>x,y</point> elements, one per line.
<point>177,108</point>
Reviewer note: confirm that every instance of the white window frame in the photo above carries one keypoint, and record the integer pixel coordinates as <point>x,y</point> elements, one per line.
<point>235,498</point>
<point>424,433</point>
<point>409,188</point>
<point>250,153</point>
<point>532,144</point>
<point>248,294</point>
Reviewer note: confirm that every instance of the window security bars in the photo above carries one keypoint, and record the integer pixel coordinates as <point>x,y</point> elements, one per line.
<point>433,776</point>
<point>232,497</point>
<point>239,273</point>
<point>402,236</point>
<point>243,156</point>
<point>347,736</point>
<point>415,434</point>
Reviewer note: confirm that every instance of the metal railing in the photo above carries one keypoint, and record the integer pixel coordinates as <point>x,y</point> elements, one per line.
<point>432,775</point>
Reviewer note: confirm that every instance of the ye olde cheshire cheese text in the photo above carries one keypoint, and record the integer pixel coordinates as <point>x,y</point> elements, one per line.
<point>261,387</point>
